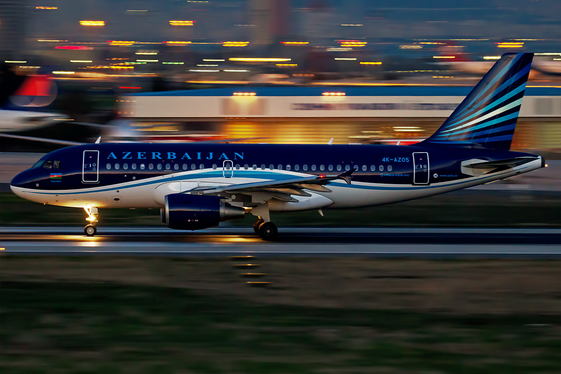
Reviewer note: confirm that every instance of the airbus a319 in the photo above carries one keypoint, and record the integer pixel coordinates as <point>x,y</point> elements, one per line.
<point>197,186</point>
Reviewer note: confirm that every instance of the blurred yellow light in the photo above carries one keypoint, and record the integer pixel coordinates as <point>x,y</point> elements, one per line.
<point>81,61</point>
<point>491,57</point>
<point>121,42</point>
<point>52,40</point>
<point>235,44</point>
<point>46,7</point>
<point>181,23</point>
<point>92,23</point>
<point>145,53</point>
<point>259,59</point>
<point>287,65</point>
<point>15,62</point>
<point>345,58</point>
<point>295,43</point>
<point>449,57</point>
<point>63,72</point>
<point>333,94</point>
<point>213,59</point>
<point>244,94</point>
<point>177,42</point>
<point>510,44</point>
<point>370,63</point>
<point>442,76</point>
<point>410,46</point>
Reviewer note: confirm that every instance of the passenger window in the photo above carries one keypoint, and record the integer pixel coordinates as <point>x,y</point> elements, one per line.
<point>262,166</point>
<point>296,167</point>
<point>254,167</point>
<point>150,166</point>
<point>193,166</point>
<point>372,167</point>
<point>159,166</point>
<point>280,167</point>
<point>272,167</point>
<point>330,168</point>
<point>214,166</point>
<point>48,165</point>
<point>185,166</point>
<point>339,167</point>
<point>305,167</point>
<point>108,166</point>
<point>246,166</point>
<point>176,167</point>
<point>125,166</point>
<point>347,167</point>
<point>364,167</point>
<point>168,166</point>
<point>133,166</point>
<point>321,168</point>
<point>56,164</point>
<point>313,167</point>
<point>237,166</point>
<point>142,166</point>
<point>117,166</point>
<point>390,168</point>
<point>381,168</point>
<point>288,167</point>
<point>201,166</point>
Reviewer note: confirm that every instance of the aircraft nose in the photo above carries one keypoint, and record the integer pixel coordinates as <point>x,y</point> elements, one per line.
<point>20,180</point>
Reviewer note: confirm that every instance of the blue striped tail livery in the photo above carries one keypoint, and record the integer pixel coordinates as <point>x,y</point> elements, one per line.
<point>488,115</point>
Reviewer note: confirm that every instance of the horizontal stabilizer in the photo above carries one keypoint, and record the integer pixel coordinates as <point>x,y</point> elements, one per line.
<point>507,163</point>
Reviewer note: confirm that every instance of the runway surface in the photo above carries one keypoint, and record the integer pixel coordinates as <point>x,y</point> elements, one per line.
<point>373,242</point>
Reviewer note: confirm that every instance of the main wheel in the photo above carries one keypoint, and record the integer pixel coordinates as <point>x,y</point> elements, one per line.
<point>90,230</point>
<point>256,225</point>
<point>268,231</point>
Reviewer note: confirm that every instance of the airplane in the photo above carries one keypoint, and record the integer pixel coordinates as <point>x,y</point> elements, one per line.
<point>197,186</point>
<point>20,99</point>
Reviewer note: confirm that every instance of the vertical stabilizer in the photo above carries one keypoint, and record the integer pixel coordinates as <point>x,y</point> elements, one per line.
<point>488,115</point>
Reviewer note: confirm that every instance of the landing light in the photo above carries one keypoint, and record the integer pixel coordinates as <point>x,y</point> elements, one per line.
<point>333,94</point>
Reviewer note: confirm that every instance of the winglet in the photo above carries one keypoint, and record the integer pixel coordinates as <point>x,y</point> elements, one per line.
<point>98,140</point>
<point>330,142</point>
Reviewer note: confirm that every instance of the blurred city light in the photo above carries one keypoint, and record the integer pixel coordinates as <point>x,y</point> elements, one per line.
<point>181,23</point>
<point>92,23</point>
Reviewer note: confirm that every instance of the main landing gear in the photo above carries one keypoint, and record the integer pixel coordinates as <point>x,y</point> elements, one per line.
<point>266,230</point>
<point>90,229</point>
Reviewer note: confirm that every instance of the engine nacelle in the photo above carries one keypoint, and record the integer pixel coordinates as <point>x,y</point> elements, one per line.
<point>195,212</point>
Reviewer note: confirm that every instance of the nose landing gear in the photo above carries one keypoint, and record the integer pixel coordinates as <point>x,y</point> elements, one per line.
<point>90,229</point>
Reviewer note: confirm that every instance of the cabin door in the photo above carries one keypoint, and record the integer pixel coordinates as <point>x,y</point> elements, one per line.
<point>90,167</point>
<point>421,168</point>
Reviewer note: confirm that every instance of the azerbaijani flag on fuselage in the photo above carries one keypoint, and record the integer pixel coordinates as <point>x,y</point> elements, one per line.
<point>56,176</point>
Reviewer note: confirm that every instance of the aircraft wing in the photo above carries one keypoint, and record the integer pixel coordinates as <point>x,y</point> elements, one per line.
<point>281,189</point>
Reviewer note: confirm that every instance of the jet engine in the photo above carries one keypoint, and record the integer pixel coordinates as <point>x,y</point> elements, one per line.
<point>195,212</point>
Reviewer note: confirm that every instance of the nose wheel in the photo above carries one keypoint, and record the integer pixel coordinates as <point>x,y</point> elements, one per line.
<point>90,229</point>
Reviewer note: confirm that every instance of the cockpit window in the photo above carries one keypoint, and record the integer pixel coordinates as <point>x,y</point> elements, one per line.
<point>38,164</point>
<point>56,164</point>
<point>48,164</point>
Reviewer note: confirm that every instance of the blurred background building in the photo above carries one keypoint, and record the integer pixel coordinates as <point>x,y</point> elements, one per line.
<point>99,54</point>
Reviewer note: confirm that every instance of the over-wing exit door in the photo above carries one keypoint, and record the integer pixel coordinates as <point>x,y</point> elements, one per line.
<point>228,168</point>
<point>421,168</point>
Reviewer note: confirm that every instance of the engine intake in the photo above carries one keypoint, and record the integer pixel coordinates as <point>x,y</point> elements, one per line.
<point>195,212</point>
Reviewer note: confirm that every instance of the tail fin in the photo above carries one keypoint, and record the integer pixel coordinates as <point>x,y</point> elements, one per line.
<point>25,91</point>
<point>488,115</point>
